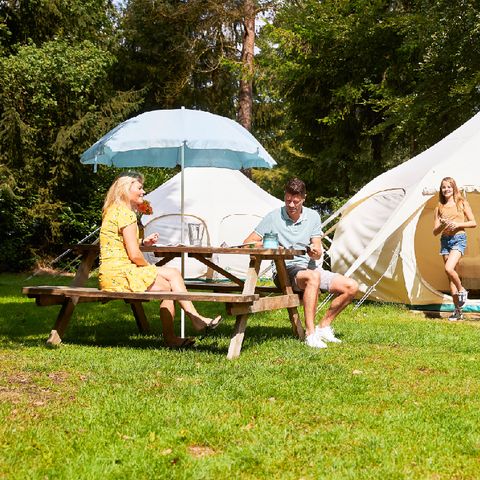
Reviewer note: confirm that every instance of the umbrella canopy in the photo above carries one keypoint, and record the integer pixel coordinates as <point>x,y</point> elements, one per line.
<point>162,137</point>
<point>189,138</point>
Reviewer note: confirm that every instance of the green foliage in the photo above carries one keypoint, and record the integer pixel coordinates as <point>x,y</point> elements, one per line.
<point>38,21</point>
<point>343,90</point>
<point>180,52</point>
<point>444,93</point>
<point>16,227</point>
<point>56,100</point>
<point>363,85</point>
<point>273,181</point>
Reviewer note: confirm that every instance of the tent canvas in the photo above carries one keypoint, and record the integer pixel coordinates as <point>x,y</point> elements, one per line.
<point>385,230</point>
<point>224,201</point>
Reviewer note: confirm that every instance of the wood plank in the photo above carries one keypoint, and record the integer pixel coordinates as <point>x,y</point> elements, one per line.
<point>236,341</point>
<point>44,300</point>
<point>265,304</point>
<point>252,275</point>
<point>203,250</point>
<point>166,258</point>
<point>146,296</point>
<point>271,253</point>
<point>296,322</point>
<point>217,268</point>
<point>61,323</point>
<point>47,300</point>
<point>140,317</point>
<point>228,287</point>
<point>286,286</point>
<point>53,339</point>
<point>86,265</point>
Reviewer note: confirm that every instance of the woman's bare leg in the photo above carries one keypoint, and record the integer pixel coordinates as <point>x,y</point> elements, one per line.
<point>170,279</point>
<point>167,315</point>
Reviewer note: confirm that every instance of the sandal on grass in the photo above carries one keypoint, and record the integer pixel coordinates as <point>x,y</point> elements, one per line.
<point>185,343</point>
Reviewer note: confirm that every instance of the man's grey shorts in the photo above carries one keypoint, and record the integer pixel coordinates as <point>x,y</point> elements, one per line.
<point>326,277</point>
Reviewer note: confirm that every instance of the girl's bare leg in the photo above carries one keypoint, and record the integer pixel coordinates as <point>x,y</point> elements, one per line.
<point>451,261</point>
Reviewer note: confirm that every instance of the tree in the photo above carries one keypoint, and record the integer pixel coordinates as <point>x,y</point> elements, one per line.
<point>363,85</point>
<point>180,52</point>
<point>25,21</point>
<point>245,98</point>
<point>55,101</point>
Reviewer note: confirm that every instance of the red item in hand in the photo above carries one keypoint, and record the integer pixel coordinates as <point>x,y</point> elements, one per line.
<point>145,208</point>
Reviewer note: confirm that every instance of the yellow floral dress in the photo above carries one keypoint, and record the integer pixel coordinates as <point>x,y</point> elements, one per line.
<point>117,272</point>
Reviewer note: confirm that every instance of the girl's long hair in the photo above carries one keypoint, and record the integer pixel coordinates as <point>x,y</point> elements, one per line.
<point>119,191</point>
<point>457,196</point>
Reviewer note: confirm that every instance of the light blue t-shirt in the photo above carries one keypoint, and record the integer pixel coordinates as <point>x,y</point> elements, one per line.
<point>293,234</point>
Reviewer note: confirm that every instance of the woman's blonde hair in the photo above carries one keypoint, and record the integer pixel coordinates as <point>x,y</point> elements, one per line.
<point>457,196</point>
<point>120,189</point>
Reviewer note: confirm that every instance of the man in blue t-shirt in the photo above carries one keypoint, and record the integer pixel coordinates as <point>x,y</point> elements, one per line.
<point>300,227</point>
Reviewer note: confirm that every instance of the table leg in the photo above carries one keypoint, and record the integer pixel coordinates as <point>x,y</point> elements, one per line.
<point>69,304</point>
<point>140,317</point>
<point>61,323</point>
<point>85,268</point>
<point>296,322</point>
<point>241,323</point>
<point>237,337</point>
<point>286,288</point>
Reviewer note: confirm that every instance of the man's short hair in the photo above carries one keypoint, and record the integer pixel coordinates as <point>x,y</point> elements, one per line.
<point>295,186</point>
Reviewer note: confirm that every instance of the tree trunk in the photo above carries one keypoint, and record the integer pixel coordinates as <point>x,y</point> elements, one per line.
<point>245,97</point>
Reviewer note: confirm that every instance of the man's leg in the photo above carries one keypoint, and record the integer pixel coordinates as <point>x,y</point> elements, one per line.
<point>344,289</point>
<point>309,282</point>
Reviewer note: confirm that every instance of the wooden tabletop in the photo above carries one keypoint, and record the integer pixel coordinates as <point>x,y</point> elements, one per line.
<point>270,252</point>
<point>280,252</point>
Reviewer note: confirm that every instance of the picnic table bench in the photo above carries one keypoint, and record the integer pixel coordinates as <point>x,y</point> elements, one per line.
<point>241,297</point>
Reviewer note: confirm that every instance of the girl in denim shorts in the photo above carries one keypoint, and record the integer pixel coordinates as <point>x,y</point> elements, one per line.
<point>452,215</point>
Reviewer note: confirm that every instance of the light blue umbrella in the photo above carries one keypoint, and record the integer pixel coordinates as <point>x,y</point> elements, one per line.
<point>189,138</point>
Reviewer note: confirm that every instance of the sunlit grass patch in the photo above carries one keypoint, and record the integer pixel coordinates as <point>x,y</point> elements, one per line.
<point>397,399</point>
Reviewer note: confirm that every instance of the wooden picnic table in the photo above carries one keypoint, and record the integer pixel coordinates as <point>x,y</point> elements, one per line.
<point>242,297</point>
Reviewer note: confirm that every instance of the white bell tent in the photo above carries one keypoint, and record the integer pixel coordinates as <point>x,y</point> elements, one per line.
<point>225,202</point>
<point>384,238</point>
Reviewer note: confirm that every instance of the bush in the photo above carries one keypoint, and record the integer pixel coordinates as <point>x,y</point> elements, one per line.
<point>16,225</point>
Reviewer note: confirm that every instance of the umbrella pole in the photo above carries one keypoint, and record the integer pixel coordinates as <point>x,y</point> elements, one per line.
<point>182,210</point>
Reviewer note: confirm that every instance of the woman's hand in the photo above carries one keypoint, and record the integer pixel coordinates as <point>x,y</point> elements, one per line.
<point>151,239</point>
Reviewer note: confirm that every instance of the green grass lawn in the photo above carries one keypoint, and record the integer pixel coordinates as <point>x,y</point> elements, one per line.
<point>399,398</point>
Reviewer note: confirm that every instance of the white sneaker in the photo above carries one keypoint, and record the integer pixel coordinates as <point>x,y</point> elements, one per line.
<point>456,315</point>
<point>326,334</point>
<point>462,298</point>
<point>313,341</point>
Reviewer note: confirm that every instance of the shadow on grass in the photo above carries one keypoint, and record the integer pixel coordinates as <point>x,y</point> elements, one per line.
<point>113,325</point>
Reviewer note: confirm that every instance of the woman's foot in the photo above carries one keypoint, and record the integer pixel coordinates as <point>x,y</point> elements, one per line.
<point>179,342</point>
<point>201,324</point>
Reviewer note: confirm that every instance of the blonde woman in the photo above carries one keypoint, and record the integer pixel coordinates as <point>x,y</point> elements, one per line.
<point>123,267</point>
<point>452,216</point>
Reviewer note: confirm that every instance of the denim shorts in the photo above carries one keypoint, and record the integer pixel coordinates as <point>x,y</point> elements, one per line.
<point>453,242</point>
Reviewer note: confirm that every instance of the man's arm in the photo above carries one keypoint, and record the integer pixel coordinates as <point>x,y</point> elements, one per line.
<point>254,237</point>
<point>265,225</point>
<point>316,248</point>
